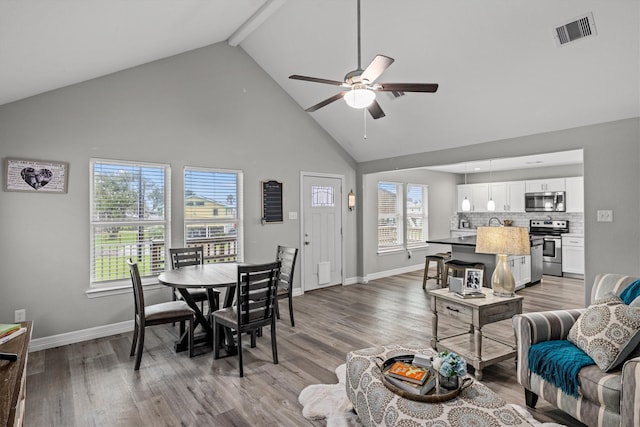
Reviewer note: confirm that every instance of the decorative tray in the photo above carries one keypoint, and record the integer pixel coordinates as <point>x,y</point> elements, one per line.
<point>437,394</point>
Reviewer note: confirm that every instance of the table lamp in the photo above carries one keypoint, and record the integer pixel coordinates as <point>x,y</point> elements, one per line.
<point>503,241</point>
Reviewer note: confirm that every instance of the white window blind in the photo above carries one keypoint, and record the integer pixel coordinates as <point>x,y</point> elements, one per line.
<point>390,211</point>
<point>213,213</point>
<point>130,217</point>
<point>417,220</point>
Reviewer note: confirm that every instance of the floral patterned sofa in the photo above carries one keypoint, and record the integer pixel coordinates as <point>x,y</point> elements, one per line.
<point>605,398</point>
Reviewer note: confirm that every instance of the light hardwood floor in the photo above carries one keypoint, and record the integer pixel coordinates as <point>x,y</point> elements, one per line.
<point>93,383</point>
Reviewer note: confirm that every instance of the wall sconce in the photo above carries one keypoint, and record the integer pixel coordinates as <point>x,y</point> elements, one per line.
<point>351,200</point>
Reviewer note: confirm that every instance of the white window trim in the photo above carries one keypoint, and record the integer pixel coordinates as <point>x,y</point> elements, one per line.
<point>239,204</point>
<point>123,286</point>
<point>405,245</point>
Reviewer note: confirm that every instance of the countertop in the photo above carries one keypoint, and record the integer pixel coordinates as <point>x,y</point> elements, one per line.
<point>460,241</point>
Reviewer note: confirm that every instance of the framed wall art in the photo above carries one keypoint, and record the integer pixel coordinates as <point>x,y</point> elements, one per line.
<point>36,176</point>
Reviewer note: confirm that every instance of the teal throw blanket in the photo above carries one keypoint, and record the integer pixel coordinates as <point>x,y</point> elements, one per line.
<point>630,292</point>
<point>558,362</point>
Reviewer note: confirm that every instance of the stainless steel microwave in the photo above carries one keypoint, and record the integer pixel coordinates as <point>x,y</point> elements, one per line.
<point>545,202</point>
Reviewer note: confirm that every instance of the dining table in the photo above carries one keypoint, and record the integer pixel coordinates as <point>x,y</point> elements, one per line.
<point>214,277</point>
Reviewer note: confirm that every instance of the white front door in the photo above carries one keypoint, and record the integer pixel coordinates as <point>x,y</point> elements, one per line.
<point>321,231</point>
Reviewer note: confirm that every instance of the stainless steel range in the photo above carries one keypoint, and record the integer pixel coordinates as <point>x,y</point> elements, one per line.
<point>551,232</point>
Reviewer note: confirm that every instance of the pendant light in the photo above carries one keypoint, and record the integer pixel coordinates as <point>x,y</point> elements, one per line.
<point>491,205</point>
<point>466,204</point>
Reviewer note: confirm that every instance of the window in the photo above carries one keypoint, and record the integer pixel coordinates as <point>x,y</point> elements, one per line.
<point>402,216</point>
<point>130,217</point>
<point>417,220</point>
<point>390,230</point>
<point>213,213</point>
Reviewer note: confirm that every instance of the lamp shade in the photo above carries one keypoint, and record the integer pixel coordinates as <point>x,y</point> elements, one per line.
<point>503,240</point>
<point>359,97</point>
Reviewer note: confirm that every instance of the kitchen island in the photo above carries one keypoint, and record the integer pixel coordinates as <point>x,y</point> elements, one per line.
<point>525,268</point>
<point>464,249</point>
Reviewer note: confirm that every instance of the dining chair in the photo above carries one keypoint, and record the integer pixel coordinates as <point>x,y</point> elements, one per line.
<point>182,257</point>
<point>287,256</point>
<point>255,300</point>
<point>155,314</point>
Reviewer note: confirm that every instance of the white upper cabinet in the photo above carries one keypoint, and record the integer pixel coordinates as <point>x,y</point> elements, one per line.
<point>545,185</point>
<point>515,192</point>
<point>508,196</point>
<point>575,194</point>
<point>478,195</point>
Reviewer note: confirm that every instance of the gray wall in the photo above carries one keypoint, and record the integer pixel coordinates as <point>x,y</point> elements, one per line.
<point>611,178</point>
<point>212,107</point>
<point>442,199</point>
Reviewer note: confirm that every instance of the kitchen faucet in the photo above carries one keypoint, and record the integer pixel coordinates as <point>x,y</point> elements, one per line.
<point>496,218</point>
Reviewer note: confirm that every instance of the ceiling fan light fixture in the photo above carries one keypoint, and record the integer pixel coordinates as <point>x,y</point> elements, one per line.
<point>359,97</point>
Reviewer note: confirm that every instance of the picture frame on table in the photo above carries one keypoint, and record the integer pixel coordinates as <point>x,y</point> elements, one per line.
<point>473,279</point>
<point>36,176</point>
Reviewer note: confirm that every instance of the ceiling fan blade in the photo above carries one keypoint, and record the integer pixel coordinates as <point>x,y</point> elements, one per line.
<point>406,87</point>
<point>316,80</point>
<point>375,110</point>
<point>325,102</point>
<point>376,68</point>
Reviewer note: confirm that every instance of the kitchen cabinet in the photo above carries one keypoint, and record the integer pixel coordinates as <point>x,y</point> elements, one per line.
<point>573,256</point>
<point>574,197</point>
<point>545,185</point>
<point>478,195</point>
<point>508,196</point>
<point>520,266</point>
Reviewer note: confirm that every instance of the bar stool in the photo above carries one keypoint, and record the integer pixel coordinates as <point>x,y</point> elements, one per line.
<point>458,267</point>
<point>439,259</point>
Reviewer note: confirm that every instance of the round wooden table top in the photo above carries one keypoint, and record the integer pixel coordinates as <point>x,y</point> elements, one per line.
<point>216,275</point>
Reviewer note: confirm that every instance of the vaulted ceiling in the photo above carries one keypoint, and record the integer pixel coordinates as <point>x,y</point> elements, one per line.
<point>500,71</point>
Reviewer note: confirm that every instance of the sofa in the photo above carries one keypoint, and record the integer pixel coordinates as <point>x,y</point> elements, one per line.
<point>605,397</point>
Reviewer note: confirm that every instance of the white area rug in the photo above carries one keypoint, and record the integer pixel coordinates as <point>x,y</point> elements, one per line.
<point>330,402</point>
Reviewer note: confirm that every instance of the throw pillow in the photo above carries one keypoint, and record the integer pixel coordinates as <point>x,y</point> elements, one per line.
<point>608,331</point>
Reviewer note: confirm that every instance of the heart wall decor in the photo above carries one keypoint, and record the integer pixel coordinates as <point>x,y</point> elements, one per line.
<point>36,178</point>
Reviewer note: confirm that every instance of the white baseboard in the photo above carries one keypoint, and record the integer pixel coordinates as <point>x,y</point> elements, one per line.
<point>79,336</point>
<point>395,271</point>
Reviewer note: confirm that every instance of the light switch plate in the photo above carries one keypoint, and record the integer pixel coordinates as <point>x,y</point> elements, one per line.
<point>605,216</point>
<point>293,215</point>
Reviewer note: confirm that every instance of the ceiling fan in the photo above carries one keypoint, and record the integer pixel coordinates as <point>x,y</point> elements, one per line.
<point>361,84</point>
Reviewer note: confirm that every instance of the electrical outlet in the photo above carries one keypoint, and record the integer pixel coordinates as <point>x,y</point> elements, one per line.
<point>20,315</point>
<point>605,216</point>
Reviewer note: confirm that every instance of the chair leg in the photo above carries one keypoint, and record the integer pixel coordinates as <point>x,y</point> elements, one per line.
<point>277,306</point>
<point>192,323</point>
<point>139,349</point>
<point>134,340</point>
<point>426,273</point>
<point>530,398</point>
<point>274,347</point>
<point>240,354</point>
<point>293,325</point>
<point>217,332</point>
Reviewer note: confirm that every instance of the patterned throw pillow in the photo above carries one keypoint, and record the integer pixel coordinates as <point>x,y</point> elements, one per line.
<point>608,331</point>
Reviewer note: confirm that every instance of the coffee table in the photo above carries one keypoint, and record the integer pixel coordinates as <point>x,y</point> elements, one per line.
<point>476,312</point>
<point>376,405</point>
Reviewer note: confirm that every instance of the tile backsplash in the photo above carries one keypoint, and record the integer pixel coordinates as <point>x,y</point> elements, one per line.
<point>520,219</point>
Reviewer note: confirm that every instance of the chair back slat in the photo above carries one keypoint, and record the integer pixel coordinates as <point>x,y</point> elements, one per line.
<point>287,256</point>
<point>138,294</point>
<point>182,257</point>
<point>256,293</point>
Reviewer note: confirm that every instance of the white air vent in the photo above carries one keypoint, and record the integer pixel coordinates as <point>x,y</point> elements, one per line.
<point>579,28</point>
